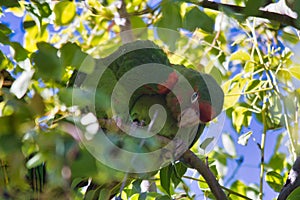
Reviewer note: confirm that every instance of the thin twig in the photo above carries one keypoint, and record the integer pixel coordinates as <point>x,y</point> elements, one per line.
<point>262,152</point>
<point>224,188</point>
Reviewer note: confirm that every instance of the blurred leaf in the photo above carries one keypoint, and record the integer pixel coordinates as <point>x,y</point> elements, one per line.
<point>34,161</point>
<point>233,89</point>
<point>229,145</point>
<point>5,63</point>
<point>84,165</point>
<point>47,62</point>
<point>277,162</point>
<point>278,142</point>
<point>136,186</point>
<point>202,184</point>
<point>252,7</point>
<point>241,116</point>
<point>71,55</point>
<point>253,85</point>
<point>10,3</point>
<point>75,96</point>
<point>37,104</point>
<point>206,142</point>
<point>171,18</point>
<point>291,37</point>
<point>44,9</point>
<point>274,180</point>
<point>165,197</point>
<point>165,178</point>
<point>243,139</point>
<point>295,195</point>
<point>239,186</point>
<point>19,52</point>
<point>295,71</point>
<point>249,67</point>
<point>195,18</point>
<point>65,12</point>
<point>169,23</point>
<point>20,85</point>
<point>240,55</point>
<point>4,29</point>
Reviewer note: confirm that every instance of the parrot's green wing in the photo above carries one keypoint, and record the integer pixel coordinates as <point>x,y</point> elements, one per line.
<point>138,63</point>
<point>135,54</point>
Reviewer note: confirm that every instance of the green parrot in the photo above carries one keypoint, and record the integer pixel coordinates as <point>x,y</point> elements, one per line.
<point>163,107</point>
<point>186,108</point>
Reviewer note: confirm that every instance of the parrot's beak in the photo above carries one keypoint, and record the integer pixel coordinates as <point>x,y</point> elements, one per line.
<point>189,117</point>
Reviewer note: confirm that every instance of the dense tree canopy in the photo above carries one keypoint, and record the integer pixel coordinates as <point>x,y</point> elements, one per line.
<point>249,47</point>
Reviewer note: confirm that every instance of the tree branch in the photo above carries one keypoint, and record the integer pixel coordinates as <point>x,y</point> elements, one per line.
<point>283,19</point>
<point>191,159</point>
<point>292,182</point>
<point>126,30</point>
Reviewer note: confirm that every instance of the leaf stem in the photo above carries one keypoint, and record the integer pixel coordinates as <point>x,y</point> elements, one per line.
<point>262,151</point>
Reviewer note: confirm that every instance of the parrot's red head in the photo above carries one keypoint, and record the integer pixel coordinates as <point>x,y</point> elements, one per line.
<point>199,104</point>
<point>198,111</point>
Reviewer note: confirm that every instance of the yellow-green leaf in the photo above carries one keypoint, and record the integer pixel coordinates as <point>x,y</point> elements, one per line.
<point>65,12</point>
<point>274,180</point>
<point>295,71</point>
<point>240,55</point>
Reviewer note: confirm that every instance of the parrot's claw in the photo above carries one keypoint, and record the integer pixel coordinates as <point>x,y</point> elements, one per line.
<point>180,147</point>
<point>175,152</point>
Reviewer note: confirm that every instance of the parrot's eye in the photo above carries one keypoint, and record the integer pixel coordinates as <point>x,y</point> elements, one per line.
<point>194,97</point>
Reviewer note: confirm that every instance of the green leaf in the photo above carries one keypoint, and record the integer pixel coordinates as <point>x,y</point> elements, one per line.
<point>252,7</point>
<point>10,3</point>
<point>71,55</point>
<point>47,62</point>
<point>136,186</point>
<point>171,18</point>
<point>228,145</point>
<point>202,184</point>
<point>104,194</point>
<point>4,29</point>
<point>243,139</point>
<point>274,180</point>
<point>239,186</point>
<point>206,142</point>
<point>165,197</point>
<point>233,89</point>
<point>65,12</point>
<point>253,85</point>
<point>195,18</point>
<point>240,55</point>
<point>44,9</point>
<point>241,116</point>
<point>5,63</point>
<point>295,195</point>
<point>179,170</point>
<point>169,23</point>
<point>165,178</point>
<point>20,53</point>
<point>77,96</point>
<point>277,162</point>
